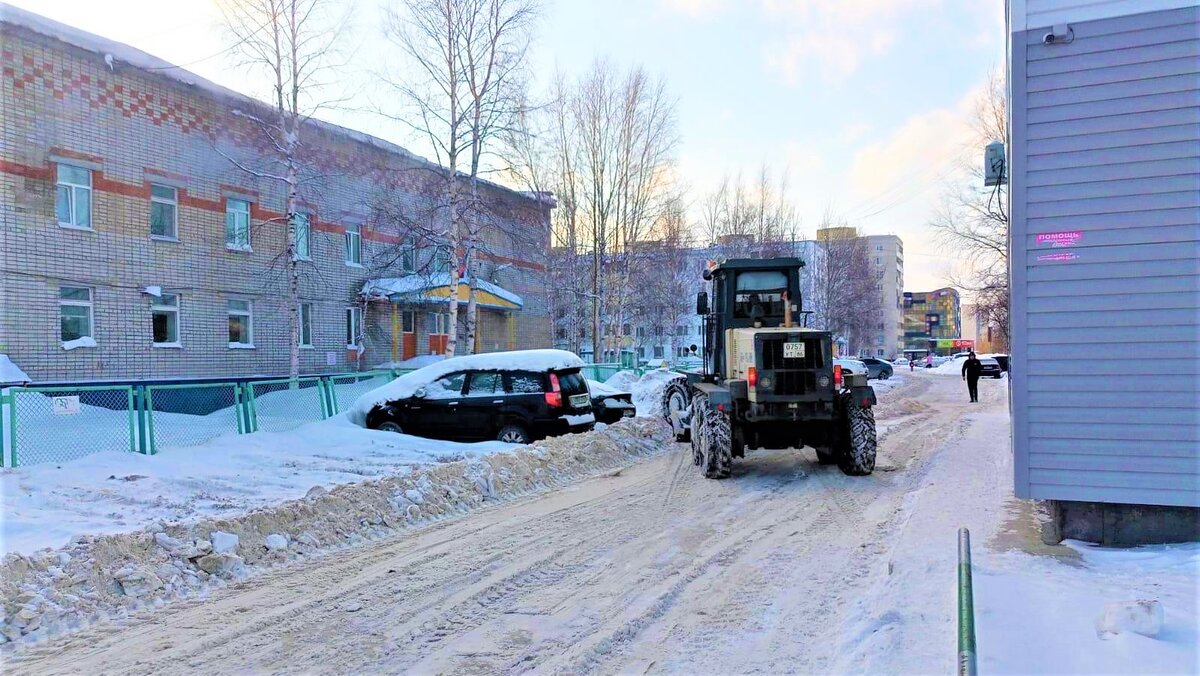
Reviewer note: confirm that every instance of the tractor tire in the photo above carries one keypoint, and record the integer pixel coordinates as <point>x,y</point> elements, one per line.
<point>676,408</point>
<point>695,433</point>
<point>857,457</point>
<point>712,443</point>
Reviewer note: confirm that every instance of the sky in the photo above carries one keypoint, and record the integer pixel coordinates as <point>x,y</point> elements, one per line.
<point>864,103</point>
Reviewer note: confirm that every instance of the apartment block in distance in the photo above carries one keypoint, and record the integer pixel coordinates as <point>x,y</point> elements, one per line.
<point>135,248</point>
<point>933,323</point>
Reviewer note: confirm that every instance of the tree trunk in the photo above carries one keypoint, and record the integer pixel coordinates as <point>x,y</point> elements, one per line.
<point>452,311</point>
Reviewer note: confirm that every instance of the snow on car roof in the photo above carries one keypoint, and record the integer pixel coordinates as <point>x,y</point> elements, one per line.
<point>600,389</point>
<point>407,384</point>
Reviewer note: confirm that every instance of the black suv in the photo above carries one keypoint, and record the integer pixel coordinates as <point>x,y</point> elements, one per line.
<point>473,405</point>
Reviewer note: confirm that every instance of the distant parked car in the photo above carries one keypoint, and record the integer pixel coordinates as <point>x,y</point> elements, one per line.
<point>609,404</point>
<point>901,361</point>
<point>1001,359</point>
<point>516,397</point>
<point>877,369</point>
<point>991,367</point>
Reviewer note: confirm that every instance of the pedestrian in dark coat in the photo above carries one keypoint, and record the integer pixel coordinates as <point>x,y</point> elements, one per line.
<point>971,370</point>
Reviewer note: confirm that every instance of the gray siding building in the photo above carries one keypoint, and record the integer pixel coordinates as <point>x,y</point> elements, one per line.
<point>1104,166</point>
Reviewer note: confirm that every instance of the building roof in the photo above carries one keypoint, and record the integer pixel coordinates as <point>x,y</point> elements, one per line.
<point>116,53</point>
<point>432,289</point>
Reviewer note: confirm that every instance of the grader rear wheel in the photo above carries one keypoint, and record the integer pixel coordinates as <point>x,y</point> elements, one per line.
<point>712,443</point>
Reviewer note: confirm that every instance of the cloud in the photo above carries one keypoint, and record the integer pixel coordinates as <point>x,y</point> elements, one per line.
<point>923,150</point>
<point>696,9</point>
<point>832,37</point>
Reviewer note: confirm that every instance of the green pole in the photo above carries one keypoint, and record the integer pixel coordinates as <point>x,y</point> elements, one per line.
<point>966,607</point>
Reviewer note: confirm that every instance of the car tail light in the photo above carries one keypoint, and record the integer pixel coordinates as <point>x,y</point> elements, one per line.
<point>752,376</point>
<point>837,375</point>
<point>554,396</point>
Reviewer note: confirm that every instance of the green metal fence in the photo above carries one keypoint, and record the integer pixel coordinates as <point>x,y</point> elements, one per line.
<point>284,404</point>
<point>345,389</point>
<point>188,415</point>
<point>58,424</point>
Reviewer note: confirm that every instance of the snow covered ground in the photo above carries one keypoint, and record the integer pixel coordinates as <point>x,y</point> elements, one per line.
<point>44,505</point>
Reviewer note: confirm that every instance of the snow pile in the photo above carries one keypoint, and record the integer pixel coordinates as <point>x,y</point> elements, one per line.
<point>1041,615</point>
<point>11,374</point>
<point>45,505</point>
<point>952,367</point>
<point>414,363</point>
<point>407,384</point>
<point>647,391</point>
<point>86,341</point>
<point>99,576</point>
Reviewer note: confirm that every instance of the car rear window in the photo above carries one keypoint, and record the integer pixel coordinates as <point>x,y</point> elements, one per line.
<point>571,382</point>
<point>525,382</point>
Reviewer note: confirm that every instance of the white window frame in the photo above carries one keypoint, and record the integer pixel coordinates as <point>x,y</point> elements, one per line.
<point>353,246</point>
<point>89,304</point>
<point>408,317</point>
<point>408,256</point>
<point>73,201</point>
<point>305,319</point>
<point>248,313</point>
<point>354,327</point>
<point>441,259</point>
<point>231,211</point>
<point>306,240</point>
<point>173,203</point>
<point>440,325</point>
<point>156,306</point>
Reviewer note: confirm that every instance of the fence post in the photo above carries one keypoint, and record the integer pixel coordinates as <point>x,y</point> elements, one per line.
<point>12,427</point>
<point>251,414</point>
<point>966,607</point>
<point>5,449</point>
<point>145,436</point>
<point>329,403</point>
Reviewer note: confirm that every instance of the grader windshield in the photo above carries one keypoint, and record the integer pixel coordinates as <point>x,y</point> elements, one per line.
<point>759,294</point>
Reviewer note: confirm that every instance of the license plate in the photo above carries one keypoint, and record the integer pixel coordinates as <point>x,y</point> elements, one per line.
<point>580,400</point>
<point>793,350</point>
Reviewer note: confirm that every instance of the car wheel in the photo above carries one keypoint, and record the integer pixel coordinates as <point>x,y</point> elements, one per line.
<point>513,434</point>
<point>390,426</point>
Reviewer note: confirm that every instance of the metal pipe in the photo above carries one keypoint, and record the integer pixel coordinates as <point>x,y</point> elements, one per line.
<point>966,607</point>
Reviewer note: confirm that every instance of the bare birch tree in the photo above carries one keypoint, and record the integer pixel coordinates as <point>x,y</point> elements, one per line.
<point>973,219</point>
<point>465,83</point>
<point>844,299</point>
<point>295,42</point>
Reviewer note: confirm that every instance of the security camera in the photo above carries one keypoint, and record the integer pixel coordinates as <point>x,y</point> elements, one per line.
<point>1060,34</point>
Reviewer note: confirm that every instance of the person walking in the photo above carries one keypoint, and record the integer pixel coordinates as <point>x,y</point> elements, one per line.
<point>971,370</point>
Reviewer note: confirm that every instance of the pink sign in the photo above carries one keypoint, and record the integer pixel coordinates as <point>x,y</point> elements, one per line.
<point>1060,240</point>
<point>1058,257</point>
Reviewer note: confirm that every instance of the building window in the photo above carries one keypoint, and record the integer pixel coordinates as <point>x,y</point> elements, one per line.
<point>408,256</point>
<point>878,261</point>
<point>658,330</point>
<point>354,329</point>
<point>408,321</point>
<point>700,330</point>
<point>641,332</point>
<point>306,325</point>
<point>74,313</point>
<point>241,323</point>
<point>164,312</point>
<point>641,353</point>
<point>441,260</point>
<point>302,226</point>
<point>164,203</point>
<point>561,334</point>
<point>73,197</point>
<point>658,351</point>
<point>237,224</point>
<point>353,245</point>
<point>439,323</point>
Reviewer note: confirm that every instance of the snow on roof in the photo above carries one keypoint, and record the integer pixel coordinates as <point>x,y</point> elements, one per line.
<point>600,389</point>
<point>114,51</point>
<point>407,384</point>
<point>11,374</point>
<point>418,284</point>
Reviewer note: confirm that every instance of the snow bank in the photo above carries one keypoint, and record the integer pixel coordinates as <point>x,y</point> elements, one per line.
<point>647,390</point>
<point>99,576</point>
<point>407,384</point>
<point>1042,615</point>
<point>10,373</point>
<point>414,363</point>
<point>599,389</point>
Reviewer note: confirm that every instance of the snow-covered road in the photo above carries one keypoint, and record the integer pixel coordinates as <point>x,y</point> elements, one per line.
<point>651,568</point>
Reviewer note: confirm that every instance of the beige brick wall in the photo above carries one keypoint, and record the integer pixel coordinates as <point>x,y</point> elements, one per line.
<point>131,128</point>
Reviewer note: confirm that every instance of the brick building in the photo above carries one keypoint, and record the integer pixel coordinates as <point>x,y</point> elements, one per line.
<point>134,247</point>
